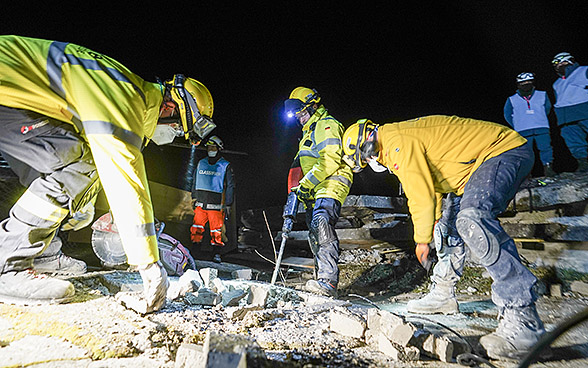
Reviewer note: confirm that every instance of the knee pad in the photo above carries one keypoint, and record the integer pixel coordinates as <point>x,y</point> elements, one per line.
<point>484,244</point>
<point>322,230</point>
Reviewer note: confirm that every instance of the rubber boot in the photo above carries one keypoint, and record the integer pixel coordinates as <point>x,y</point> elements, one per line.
<point>519,329</point>
<point>440,299</point>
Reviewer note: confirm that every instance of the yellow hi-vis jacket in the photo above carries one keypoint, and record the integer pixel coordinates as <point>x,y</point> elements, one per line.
<point>438,154</point>
<point>112,108</point>
<point>320,153</point>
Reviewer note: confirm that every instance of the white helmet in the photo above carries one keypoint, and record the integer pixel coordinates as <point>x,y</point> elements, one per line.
<point>561,57</point>
<point>523,77</point>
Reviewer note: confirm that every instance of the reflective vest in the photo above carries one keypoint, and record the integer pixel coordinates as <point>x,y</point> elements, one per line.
<point>211,177</point>
<point>573,89</point>
<point>529,114</point>
<point>112,108</point>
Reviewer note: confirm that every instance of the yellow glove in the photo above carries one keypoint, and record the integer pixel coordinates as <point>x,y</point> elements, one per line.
<point>80,219</point>
<point>304,194</point>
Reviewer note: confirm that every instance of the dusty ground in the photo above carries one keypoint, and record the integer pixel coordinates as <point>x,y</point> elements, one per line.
<point>96,331</point>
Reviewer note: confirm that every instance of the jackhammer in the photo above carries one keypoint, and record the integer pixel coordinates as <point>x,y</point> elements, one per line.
<point>289,216</point>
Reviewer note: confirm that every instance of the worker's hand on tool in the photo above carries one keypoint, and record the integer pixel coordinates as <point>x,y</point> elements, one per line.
<point>80,219</point>
<point>302,193</point>
<point>155,285</point>
<point>422,252</point>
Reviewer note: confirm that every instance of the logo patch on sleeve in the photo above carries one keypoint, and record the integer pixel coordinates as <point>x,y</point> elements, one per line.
<point>395,166</point>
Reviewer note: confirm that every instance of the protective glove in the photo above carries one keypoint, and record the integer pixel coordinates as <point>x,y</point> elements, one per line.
<point>303,193</point>
<point>422,252</point>
<point>81,218</point>
<point>155,285</point>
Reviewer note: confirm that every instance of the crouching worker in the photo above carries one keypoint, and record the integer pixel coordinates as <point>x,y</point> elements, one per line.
<point>75,115</point>
<point>484,163</point>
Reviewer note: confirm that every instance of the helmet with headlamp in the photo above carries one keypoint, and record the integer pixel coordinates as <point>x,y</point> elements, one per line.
<point>300,99</point>
<point>359,144</point>
<point>194,104</point>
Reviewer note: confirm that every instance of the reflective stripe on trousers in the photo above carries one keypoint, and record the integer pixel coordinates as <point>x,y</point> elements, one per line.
<point>65,162</point>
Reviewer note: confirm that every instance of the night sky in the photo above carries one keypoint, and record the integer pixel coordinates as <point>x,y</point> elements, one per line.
<point>385,62</point>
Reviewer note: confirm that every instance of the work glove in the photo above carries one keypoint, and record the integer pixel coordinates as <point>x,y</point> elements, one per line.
<point>155,285</point>
<point>303,193</point>
<point>422,251</point>
<point>81,218</point>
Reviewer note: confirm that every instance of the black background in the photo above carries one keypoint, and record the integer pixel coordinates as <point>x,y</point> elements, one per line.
<point>386,62</point>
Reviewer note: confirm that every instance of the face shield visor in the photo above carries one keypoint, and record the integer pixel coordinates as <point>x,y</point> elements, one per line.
<point>195,125</point>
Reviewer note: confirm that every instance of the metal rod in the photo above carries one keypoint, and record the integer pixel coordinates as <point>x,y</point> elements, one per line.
<point>279,259</point>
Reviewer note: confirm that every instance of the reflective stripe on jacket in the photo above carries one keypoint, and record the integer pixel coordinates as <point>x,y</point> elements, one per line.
<point>320,153</point>
<point>438,154</point>
<point>112,108</point>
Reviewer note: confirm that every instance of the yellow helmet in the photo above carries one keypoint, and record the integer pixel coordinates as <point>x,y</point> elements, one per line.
<point>194,103</point>
<point>354,147</point>
<point>300,98</point>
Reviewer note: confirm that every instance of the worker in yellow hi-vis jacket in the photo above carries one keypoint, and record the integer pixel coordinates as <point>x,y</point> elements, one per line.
<point>76,116</point>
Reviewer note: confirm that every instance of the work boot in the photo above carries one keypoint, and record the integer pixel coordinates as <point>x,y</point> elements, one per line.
<point>548,170</point>
<point>518,331</point>
<point>322,287</point>
<point>29,288</point>
<point>59,264</point>
<point>440,299</point>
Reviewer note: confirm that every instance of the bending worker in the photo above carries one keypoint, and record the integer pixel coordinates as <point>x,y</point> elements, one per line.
<point>212,194</point>
<point>483,162</point>
<point>324,186</point>
<point>75,115</point>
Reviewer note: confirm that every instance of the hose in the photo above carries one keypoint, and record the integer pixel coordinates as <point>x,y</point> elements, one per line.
<point>550,337</point>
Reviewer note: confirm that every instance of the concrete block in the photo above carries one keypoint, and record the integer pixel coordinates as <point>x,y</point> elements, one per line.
<point>208,275</point>
<point>346,323</point>
<point>238,313</point>
<point>232,351</point>
<point>258,295</point>
<point>439,347</point>
<point>190,281</point>
<point>218,286</point>
<point>579,287</point>
<point>232,297</point>
<point>189,356</point>
<point>242,274</point>
<point>203,296</point>
<point>555,290</point>
<point>397,352</point>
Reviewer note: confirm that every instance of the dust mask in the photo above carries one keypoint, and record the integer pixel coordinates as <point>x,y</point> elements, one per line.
<point>376,166</point>
<point>164,134</point>
<point>212,154</point>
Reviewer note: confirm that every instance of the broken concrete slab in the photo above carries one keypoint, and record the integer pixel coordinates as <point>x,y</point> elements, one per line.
<point>231,297</point>
<point>189,356</point>
<point>204,296</point>
<point>347,323</point>
<point>569,228</point>
<point>208,276</point>
<point>239,312</point>
<point>232,351</point>
<point>258,295</point>
<point>560,190</point>
<point>190,281</point>
<point>579,287</point>
<point>397,352</point>
<point>242,274</point>
<point>438,347</point>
